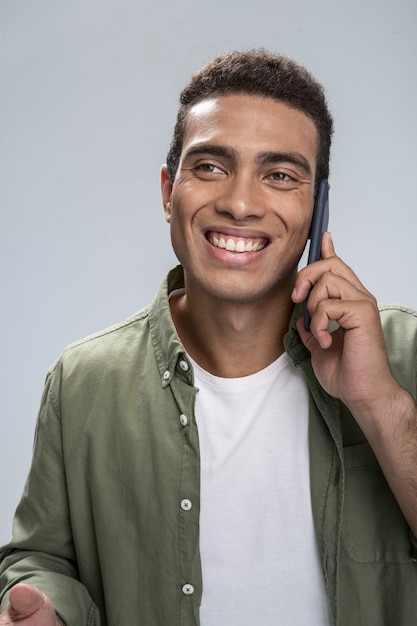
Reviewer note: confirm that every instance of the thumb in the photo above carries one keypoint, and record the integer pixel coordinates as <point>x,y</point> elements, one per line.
<point>25,600</point>
<point>311,342</point>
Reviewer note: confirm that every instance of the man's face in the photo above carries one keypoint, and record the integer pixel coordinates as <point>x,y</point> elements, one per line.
<point>241,203</point>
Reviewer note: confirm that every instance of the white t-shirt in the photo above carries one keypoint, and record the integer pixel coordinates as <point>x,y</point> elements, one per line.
<point>259,555</point>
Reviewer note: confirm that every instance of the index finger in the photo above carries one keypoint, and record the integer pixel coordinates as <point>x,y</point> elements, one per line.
<point>330,262</point>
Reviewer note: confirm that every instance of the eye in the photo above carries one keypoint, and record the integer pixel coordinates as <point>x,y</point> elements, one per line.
<point>281,177</point>
<point>283,180</point>
<point>208,170</point>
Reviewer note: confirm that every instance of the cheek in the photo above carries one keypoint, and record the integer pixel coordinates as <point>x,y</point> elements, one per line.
<point>305,222</point>
<point>177,230</point>
<point>182,213</point>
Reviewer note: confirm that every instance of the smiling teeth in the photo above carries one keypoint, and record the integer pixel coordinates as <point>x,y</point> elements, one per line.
<point>237,246</point>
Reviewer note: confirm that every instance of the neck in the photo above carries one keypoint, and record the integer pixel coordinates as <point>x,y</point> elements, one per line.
<point>230,339</point>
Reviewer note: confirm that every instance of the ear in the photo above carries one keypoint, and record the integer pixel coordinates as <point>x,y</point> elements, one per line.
<point>166,191</point>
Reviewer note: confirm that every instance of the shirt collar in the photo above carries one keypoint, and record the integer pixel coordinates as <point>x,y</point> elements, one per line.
<point>292,342</point>
<point>169,351</point>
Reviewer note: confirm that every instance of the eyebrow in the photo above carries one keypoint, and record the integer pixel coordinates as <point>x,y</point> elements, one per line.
<point>295,158</point>
<point>213,149</point>
<point>271,156</point>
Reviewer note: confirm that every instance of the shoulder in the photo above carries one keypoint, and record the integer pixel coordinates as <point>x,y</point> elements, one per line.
<point>395,312</point>
<point>113,334</point>
<point>399,324</point>
<point>109,348</point>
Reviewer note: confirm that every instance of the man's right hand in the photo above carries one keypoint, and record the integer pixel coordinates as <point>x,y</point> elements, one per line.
<point>28,607</point>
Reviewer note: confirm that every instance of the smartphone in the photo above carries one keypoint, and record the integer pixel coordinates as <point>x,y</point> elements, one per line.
<point>319,225</point>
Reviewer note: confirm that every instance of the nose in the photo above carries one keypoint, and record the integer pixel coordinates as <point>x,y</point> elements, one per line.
<point>241,198</point>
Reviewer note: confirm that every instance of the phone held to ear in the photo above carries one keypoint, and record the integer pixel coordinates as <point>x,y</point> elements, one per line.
<point>319,225</point>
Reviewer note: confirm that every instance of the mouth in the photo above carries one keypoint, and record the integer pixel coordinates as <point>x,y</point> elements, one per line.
<point>236,244</point>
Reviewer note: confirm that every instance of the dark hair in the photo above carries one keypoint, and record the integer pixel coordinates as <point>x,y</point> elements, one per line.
<point>260,73</point>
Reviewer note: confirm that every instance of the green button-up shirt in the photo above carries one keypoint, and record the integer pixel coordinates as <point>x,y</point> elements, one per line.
<point>100,527</point>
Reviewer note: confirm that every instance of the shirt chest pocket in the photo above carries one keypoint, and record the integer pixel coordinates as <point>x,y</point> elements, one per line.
<point>373,527</point>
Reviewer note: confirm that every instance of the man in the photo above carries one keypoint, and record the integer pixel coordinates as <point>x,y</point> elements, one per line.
<point>209,460</point>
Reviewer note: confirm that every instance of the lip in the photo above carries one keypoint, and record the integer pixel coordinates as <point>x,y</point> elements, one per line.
<point>236,245</point>
<point>237,241</point>
<point>234,231</point>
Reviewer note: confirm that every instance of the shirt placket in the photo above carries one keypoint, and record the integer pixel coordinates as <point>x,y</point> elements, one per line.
<point>188,501</point>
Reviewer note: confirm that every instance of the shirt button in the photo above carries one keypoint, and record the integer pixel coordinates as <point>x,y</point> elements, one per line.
<point>166,375</point>
<point>184,366</point>
<point>186,504</point>
<point>188,589</point>
<point>183,420</point>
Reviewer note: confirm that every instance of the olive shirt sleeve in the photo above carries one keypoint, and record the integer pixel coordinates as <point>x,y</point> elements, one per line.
<point>41,552</point>
<point>400,330</point>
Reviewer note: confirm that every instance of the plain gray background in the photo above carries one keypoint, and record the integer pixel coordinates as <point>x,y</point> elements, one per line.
<point>89,92</point>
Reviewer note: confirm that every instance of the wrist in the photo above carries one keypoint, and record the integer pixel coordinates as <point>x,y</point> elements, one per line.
<point>389,421</point>
<point>379,407</point>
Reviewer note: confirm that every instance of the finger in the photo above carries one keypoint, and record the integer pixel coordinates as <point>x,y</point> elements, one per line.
<point>350,316</point>
<point>306,277</point>
<point>25,600</point>
<point>330,266</point>
<point>314,339</point>
<point>333,287</point>
<point>308,339</point>
<point>327,246</point>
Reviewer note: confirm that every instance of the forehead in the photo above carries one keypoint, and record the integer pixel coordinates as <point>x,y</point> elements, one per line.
<point>251,123</point>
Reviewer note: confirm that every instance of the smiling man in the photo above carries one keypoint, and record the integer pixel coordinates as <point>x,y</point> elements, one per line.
<point>209,461</point>
<point>240,208</point>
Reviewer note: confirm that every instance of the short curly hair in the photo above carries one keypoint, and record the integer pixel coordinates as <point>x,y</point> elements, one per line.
<point>260,73</point>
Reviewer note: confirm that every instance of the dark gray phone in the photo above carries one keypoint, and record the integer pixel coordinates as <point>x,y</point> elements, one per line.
<point>319,225</point>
